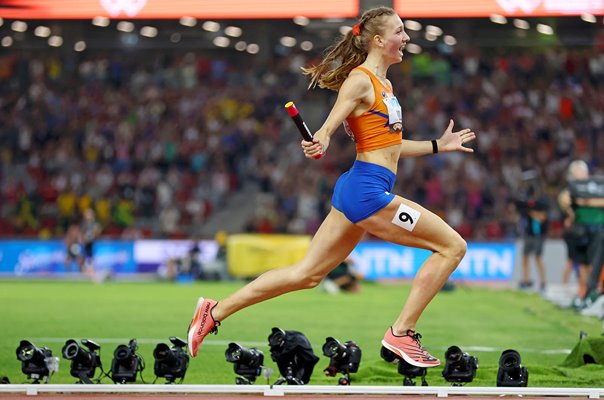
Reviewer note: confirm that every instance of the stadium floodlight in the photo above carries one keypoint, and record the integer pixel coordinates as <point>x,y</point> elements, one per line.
<point>460,367</point>
<point>36,362</point>
<point>344,358</point>
<point>511,372</point>
<point>410,372</point>
<point>247,363</point>
<point>126,363</point>
<point>171,362</point>
<point>83,361</point>
<point>293,353</point>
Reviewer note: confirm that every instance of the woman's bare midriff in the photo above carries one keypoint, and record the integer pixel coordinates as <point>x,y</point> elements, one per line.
<point>387,157</point>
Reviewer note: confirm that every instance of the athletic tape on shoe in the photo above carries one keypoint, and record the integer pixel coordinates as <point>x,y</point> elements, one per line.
<point>406,217</point>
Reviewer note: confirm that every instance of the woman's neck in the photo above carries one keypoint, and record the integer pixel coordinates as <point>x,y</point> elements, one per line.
<point>376,66</point>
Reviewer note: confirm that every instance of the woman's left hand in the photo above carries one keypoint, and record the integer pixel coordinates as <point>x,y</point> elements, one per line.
<point>454,141</point>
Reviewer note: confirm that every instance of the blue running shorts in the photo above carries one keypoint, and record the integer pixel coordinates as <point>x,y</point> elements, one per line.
<point>363,190</point>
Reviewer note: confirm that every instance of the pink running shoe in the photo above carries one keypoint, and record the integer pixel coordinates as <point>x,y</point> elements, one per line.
<point>409,349</point>
<point>202,324</point>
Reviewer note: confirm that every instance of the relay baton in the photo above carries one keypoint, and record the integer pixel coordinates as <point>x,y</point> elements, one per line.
<point>293,112</point>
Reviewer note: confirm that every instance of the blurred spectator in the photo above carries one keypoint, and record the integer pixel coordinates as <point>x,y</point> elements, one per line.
<point>91,230</point>
<point>218,268</point>
<point>577,238</point>
<point>534,208</point>
<point>343,277</point>
<point>194,253</point>
<point>73,248</point>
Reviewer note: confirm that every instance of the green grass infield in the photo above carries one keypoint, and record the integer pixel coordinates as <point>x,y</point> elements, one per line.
<point>481,321</point>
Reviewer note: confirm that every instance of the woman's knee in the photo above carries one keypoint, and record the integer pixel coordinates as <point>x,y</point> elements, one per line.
<point>305,282</point>
<point>302,278</point>
<point>457,247</point>
<point>312,281</point>
<point>309,279</point>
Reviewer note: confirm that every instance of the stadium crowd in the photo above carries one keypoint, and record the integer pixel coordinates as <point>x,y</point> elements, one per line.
<point>156,143</point>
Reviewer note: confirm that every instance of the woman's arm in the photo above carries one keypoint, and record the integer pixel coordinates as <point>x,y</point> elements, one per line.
<point>416,148</point>
<point>353,94</point>
<point>449,141</point>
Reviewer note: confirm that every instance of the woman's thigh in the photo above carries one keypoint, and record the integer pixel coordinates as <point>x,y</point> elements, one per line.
<point>334,241</point>
<point>407,223</point>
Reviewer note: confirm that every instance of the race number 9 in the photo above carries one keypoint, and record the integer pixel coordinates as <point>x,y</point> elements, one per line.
<point>406,217</point>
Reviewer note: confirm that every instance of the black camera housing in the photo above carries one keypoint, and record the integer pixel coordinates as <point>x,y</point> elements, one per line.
<point>246,362</point>
<point>344,358</point>
<point>511,372</point>
<point>126,363</point>
<point>33,360</point>
<point>171,362</point>
<point>460,367</point>
<point>83,361</point>
<point>293,353</point>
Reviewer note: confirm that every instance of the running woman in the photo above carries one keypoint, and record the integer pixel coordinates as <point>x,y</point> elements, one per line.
<point>362,201</point>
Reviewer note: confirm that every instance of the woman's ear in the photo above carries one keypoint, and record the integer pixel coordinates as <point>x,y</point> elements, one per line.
<point>377,39</point>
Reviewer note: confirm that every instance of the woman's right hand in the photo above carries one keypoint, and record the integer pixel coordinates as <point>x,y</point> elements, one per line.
<point>315,149</point>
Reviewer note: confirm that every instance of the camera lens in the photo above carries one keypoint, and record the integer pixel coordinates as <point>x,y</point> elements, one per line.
<point>26,351</point>
<point>453,354</point>
<point>233,353</point>
<point>25,354</point>
<point>122,353</point>
<point>161,352</point>
<point>509,359</point>
<point>71,350</point>
<point>276,338</point>
<point>236,355</point>
<point>332,347</point>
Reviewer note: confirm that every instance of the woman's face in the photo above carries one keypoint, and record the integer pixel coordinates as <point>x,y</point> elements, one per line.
<point>393,39</point>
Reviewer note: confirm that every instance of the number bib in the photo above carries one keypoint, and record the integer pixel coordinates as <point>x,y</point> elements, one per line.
<point>395,113</point>
<point>406,217</point>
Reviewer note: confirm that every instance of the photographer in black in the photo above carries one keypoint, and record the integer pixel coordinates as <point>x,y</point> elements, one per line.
<point>583,203</point>
<point>534,208</point>
<point>344,277</point>
<point>575,238</point>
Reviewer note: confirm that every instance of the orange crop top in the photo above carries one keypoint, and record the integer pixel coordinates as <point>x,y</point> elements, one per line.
<point>382,125</point>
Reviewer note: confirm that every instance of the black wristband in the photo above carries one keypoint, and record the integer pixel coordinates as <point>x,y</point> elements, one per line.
<point>434,146</point>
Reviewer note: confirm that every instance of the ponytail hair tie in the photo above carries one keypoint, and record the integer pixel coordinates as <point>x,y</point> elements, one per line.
<point>356,30</point>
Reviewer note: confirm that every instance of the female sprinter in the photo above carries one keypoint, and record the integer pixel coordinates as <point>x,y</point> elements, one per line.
<point>362,199</point>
